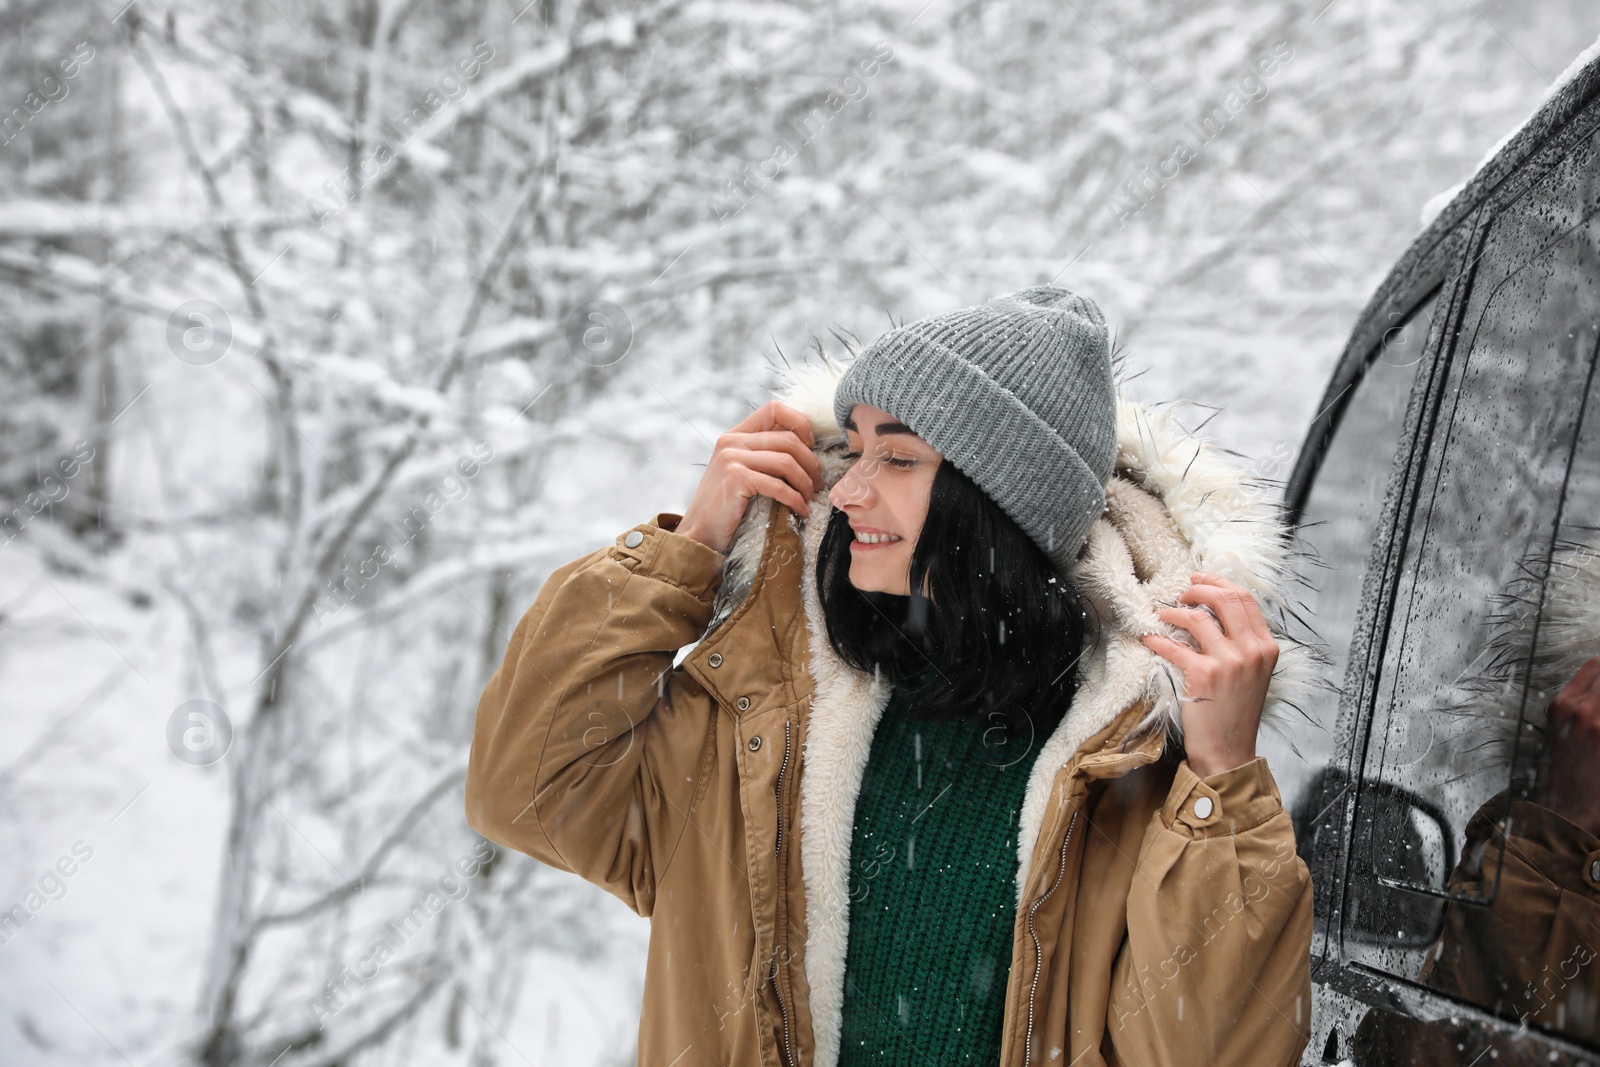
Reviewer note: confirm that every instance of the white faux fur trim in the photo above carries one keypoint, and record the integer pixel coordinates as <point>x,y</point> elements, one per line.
<point>1175,505</point>
<point>1504,694</point>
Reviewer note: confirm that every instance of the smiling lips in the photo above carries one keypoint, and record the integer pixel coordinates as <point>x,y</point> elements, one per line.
<point>868,537</point>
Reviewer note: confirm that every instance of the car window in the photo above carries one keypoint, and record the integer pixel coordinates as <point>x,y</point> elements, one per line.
<point>1471,815</point>
<point>1337,529</point>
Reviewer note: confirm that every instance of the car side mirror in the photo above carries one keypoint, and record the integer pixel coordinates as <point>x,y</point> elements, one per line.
<point>1401,853</point>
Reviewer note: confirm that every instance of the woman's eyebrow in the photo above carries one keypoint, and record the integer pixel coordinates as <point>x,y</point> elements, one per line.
<point>882,427</point>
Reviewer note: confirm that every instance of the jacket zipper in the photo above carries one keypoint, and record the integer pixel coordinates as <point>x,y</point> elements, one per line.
<point>777,789</point>
<point>772,973</point>
<point>1038,956</point>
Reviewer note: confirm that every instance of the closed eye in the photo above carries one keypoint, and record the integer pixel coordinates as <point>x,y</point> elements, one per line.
<point>893,461</point>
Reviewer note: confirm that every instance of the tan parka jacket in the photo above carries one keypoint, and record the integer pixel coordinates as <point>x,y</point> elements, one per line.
<point>1162,918</point>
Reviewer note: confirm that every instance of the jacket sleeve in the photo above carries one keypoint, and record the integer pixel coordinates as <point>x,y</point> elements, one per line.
<point>1216,966</point>
<point>588,742</point>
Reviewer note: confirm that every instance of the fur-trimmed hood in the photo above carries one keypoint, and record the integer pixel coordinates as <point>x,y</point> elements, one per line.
<point>1539,631</point>
<point>1175,504</point>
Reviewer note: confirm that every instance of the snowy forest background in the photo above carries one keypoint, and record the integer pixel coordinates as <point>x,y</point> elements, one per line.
<point>282,282</point>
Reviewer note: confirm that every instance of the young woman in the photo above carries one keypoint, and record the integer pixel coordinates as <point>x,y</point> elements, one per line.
<point>961,766</point>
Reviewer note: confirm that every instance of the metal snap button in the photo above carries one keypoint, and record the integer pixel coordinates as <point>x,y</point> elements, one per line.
<point>744,703</point>
<point>1202,808</point>
<point>715,659</point>
<point>634,539</point>
<point>1594,870</point>
<point>755,743</point>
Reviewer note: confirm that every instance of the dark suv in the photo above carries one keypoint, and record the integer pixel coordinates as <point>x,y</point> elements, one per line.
<point>1446,786</point>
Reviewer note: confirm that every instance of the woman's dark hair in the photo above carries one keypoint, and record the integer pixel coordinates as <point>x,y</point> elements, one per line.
<point>998,640</point>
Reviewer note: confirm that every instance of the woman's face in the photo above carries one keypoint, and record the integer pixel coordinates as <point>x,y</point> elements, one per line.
<point>885,496</point>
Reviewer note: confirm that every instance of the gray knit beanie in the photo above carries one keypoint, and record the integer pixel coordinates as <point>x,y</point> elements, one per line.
<point>1017,393</point>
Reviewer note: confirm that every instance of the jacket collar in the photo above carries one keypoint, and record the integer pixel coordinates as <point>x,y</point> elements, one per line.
<point>1175,505</point>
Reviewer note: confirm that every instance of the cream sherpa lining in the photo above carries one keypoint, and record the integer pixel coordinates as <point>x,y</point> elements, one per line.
<point>1175,505</point>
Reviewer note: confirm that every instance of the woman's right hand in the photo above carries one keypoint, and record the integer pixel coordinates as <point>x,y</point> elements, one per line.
<point>770,453</point>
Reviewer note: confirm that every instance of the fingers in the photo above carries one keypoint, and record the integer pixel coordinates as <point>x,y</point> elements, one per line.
<point>775,441</point>
<point>780,466</point>
<point>779,490</point>
<point>770,453</point>
<point>1233,628</point>
<point>1197,622</point>
<point>776,415</point>
<point>1177,653</point>
<point>1237,612</point>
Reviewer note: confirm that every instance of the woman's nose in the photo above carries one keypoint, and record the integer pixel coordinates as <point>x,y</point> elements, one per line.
<point>850,489</point>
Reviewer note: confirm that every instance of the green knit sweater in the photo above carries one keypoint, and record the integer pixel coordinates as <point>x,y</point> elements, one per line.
<point>933,862</point>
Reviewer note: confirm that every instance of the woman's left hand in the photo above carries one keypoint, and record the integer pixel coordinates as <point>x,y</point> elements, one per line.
<point>1226,680</point>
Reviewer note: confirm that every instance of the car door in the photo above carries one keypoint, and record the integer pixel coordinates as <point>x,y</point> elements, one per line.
<point>1450,490</point>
